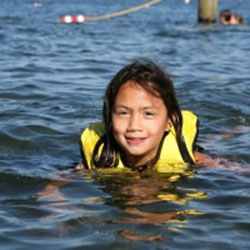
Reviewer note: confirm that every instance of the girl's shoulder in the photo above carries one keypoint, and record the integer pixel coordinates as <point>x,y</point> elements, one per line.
<point>190,126</point>
<point>97,127</point>
<point>189,115</point>
<point>94,131</point>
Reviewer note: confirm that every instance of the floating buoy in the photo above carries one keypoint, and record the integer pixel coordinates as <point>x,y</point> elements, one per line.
<point>73,19</point>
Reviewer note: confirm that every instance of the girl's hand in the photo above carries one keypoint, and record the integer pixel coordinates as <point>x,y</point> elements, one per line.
<point>51,191</point>
<point>79,166</point>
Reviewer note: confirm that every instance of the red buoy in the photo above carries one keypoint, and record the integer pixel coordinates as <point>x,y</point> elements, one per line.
<point>73,19</point>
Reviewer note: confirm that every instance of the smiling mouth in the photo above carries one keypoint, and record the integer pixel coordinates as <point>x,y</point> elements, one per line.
<point>134,141</point>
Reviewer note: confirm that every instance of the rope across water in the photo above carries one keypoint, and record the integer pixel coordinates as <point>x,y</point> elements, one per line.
<point>83,18</point>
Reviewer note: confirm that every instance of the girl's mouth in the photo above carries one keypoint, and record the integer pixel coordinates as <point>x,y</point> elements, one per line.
<point>134,141</point>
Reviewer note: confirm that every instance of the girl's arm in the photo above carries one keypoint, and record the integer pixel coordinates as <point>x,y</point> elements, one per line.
<point>203,159</point>
<point>206,160</point>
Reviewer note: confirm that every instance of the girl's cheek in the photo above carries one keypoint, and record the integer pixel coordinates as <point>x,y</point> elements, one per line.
<point>118,126</point>
<point>120,121</point>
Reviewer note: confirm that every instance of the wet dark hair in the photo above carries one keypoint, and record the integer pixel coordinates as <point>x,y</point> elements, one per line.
<point>152,78</point>
<point>225,12</point>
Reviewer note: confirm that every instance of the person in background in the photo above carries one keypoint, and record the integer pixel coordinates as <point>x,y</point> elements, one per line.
<point>229,18</point>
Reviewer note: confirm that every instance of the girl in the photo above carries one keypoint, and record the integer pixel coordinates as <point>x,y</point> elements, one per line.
<point>143,128</point>
<point>143,124</point>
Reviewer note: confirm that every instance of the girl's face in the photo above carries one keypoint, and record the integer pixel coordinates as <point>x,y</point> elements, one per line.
<point>139,121</point>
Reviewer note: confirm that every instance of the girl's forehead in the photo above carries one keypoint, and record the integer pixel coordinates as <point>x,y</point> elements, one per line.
<point>132,86</point>
<point>134,95</point>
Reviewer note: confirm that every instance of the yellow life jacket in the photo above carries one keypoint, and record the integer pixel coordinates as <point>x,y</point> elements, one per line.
<point>170,152</point>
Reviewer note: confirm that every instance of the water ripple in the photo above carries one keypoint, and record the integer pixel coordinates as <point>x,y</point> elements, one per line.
<point>53,78</point>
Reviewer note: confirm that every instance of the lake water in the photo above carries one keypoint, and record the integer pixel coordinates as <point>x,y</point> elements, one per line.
<point>52,80</point>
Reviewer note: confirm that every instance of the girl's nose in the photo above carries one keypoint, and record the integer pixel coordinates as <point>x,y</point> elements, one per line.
<point>135,123</point>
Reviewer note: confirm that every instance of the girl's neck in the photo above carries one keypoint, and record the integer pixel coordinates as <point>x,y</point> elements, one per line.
<point>139,164</point>
<point>138,161</point>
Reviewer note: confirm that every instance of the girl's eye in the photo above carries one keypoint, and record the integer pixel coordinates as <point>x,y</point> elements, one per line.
<point>149,114</point>
<point>122,113</point>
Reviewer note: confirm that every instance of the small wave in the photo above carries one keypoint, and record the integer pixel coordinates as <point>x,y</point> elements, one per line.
<point>10,143</point>
<point>11,19</point>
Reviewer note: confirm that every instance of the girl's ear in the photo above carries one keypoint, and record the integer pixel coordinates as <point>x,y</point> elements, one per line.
<point>168,125</point>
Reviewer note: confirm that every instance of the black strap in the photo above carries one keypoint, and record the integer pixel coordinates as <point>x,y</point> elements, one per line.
<point>184,151</point>
<point>84,161</point>
<point>183,147</point>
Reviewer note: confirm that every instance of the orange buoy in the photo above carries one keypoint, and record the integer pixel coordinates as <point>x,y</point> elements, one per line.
<point>73,19</point>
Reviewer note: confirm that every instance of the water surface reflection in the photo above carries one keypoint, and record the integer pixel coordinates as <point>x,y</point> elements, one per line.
<point>140,206</point>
